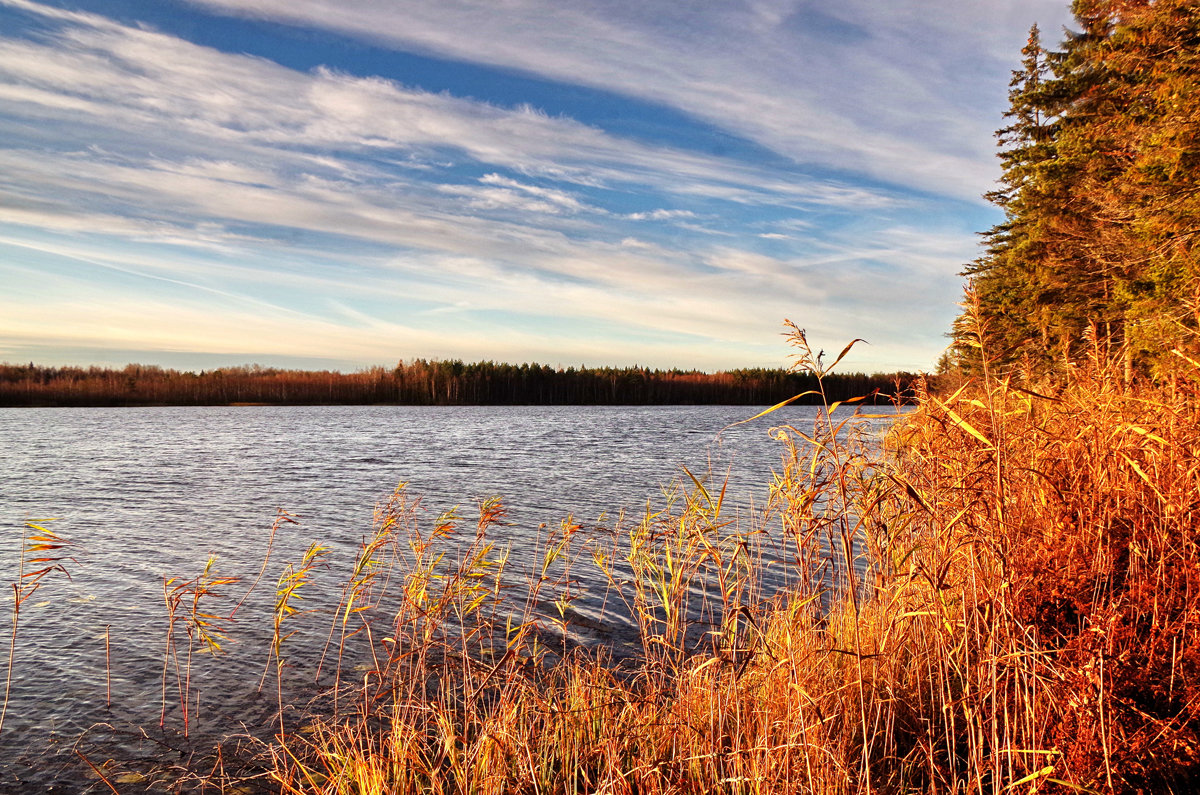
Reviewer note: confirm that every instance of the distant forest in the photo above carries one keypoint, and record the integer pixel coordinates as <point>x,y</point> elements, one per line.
<point>423,383</point>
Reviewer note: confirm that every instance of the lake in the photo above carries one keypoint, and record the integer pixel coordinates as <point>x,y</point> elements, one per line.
<point>151,493</point>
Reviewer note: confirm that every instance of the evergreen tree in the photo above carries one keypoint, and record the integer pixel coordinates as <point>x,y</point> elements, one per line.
<point>1155,57</point>
<point>1101,170</point>
<point>1010,286</point>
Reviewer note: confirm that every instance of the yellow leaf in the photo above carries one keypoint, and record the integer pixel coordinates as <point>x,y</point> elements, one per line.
<point>962,423</point>
<point>1045,771</point>
<point>1138,429</point>
<point>765,412</point>
<point>1144,476</point>
<point>130,778</point>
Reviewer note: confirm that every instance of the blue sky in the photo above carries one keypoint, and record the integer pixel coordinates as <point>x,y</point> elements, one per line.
<point>341,183</point>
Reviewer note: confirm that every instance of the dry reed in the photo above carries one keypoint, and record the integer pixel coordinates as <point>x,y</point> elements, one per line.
<point>1004,601</point>
<point>1001,597</point>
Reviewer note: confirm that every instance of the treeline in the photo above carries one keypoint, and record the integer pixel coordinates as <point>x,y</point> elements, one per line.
<point>1097,254</point>
<point>426,383</point>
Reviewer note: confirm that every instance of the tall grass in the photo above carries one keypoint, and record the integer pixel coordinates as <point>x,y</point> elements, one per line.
<point>1003,600</point>
<point>187,602</point>
<point>43,552</point>
<point>999,597</point>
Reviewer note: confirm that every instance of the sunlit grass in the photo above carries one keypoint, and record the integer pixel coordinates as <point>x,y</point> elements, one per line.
<point>1001,597</point>
<point>1002,601</point>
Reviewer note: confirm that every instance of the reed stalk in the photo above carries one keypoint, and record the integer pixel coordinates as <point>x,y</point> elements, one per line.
<point>295,577</point>
<point>997,597</point>
<point>1001,599</point>
<point>187,601</point>
<point>48,551</point>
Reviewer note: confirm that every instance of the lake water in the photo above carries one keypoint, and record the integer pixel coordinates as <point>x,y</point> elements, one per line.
<point>152,493</point>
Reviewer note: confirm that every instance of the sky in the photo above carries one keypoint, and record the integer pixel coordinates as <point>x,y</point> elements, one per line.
<point>346,183</point>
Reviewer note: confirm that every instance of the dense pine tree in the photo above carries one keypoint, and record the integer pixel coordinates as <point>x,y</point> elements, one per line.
<point>1156,53</point>
<point>1101,165</point>
<point>1008,284</point>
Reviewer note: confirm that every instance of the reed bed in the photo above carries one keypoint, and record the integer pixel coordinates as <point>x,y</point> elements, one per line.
<point>998,597</point>
<point>1002,600</point>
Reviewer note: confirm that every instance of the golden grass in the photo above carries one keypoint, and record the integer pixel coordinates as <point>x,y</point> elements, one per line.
<point>1001,598</point>
<point>1005,601</point>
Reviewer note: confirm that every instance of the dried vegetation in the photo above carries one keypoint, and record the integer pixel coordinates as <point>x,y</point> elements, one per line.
<point>1005,601</point>
<point>1001,596</point>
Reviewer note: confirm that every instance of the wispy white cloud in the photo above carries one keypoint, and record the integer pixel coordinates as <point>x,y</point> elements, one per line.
<point>556,197</point>
<point>701,311</point>
<point>660,215</point>
<point>156,88</point>
<point>496,192</point>
<point>890,90</point>
<point>404,221</point>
